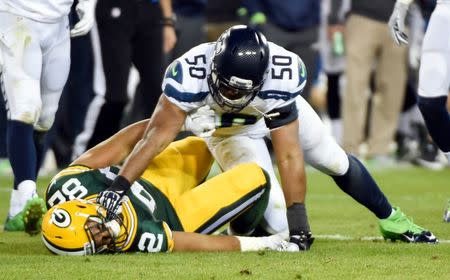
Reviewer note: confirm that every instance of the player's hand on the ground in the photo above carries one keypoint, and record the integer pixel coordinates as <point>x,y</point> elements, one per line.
<point>276,243</point>
<point>202,122</point>
<point>301,242</point>
<point>397,23</point>
<point>86,13</point>
<point>112,201</point>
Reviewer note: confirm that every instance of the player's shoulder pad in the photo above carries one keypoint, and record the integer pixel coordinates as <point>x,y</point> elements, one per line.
<point>185,78</point>
<point>286,75</point>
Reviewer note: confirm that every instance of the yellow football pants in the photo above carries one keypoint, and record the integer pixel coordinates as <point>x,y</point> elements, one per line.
<point>183,165</point>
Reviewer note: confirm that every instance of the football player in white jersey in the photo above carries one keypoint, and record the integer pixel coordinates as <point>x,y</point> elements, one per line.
<point>34,65</point>
<point>237,90</point>
<point>434,73</point>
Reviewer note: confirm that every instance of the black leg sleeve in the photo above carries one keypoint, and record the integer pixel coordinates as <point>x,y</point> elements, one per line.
<point>359,184</point>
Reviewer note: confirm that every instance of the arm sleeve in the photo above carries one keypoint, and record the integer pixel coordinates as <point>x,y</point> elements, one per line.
<point>281,116</point>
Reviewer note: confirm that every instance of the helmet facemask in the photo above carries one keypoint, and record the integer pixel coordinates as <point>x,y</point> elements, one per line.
<point>234,94</point>
<point>104,235</point>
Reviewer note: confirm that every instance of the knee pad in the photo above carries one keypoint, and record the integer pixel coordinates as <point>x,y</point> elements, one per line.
<point>23,100</point>
<point>434,74</point>
<point>26,112</point>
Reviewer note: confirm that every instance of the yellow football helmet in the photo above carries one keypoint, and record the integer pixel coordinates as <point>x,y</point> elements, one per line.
<point>67,229</point>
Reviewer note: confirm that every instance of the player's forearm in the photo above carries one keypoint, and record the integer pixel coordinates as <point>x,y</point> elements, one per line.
<point>289,156</point>
<point>293,178</point>
<point>185,242</point>
<point>153,143</point>
<point>115,149</point>
<point>162,129</point>
<point>166,7</point>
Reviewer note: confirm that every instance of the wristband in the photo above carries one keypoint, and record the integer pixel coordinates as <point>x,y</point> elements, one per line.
<point>251,244</point>
<point>297,219</point>
<point>169,21</point>
<point>120,184</point>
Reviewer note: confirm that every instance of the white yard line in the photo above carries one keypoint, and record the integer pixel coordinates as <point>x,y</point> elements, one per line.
<point>340,237</point>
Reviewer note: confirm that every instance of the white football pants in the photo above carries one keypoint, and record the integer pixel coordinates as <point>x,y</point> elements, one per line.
<point>320,151</point>
<point>434,76</point>
<point>36,59</point>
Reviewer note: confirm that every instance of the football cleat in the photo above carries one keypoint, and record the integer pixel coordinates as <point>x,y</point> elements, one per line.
<point>300,242</point>
<point>15,223</point>
<point>32,215</point>
<point>447,213</point>
<point>400,227</point>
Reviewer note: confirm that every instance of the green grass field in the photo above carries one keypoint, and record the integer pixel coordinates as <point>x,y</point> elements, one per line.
<point>347,244</point>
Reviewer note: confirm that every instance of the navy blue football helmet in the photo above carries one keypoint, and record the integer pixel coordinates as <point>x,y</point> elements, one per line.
<point>238,68</point>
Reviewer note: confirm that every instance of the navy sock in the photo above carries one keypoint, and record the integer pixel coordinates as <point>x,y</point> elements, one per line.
<point>40,144</point>
<point>21,151</point>
<point>437,119</point>
<point>359,184</point>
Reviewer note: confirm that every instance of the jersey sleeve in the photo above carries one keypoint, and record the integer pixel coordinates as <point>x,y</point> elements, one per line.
<point>286,80</point>
<point>185,82</point>
<point>74,182</point>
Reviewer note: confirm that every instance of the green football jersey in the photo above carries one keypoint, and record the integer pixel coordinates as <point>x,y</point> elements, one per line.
<point>147,212</point>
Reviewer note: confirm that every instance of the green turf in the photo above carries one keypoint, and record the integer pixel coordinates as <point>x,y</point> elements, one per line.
<point>420,193</point>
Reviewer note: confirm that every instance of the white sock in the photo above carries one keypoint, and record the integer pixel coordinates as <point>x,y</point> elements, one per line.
<point>448,157</point>
<point>25,191</point>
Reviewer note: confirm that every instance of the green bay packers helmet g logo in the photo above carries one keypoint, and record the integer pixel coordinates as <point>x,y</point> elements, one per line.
<point>61,218</point>
<point>63,228</point>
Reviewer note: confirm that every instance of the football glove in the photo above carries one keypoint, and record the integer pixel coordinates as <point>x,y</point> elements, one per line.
<point>202,122</point>
<point>397,22</point>
<point>301,242</point>
<point>111,201</point>
<point>86,13</point>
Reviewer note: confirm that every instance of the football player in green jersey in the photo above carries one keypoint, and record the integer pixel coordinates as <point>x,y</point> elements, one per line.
<point>170,208</point>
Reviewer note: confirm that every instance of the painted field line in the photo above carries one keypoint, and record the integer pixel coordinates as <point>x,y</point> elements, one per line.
<point>340,237</point>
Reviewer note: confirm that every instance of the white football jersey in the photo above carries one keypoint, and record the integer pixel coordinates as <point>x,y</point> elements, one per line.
<point>40,10</point>
<point>185,84</point>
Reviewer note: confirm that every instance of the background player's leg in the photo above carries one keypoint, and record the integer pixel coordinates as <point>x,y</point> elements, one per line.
<point>22,57</point>
<point>55,70</point>
<point>434,77</point>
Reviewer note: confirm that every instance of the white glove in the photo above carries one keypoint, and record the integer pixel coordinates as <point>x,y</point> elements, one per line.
<point>273,243</point>
<point>86,12</point>
<point>202,122</point>
<point>397,22</point>
<point>276,243</point>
